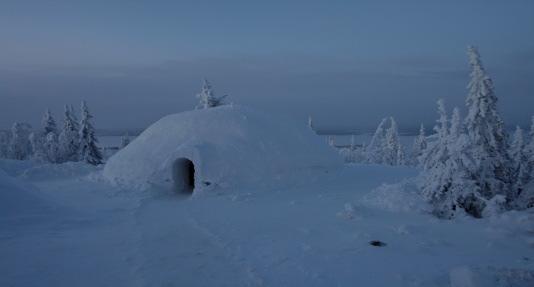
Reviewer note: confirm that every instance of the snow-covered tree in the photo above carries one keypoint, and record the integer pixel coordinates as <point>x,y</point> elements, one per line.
<point>436,151</point>
<point>310,123</point>
<point>69,142</point>
<point>207,98</point>
<point>72,113</point>
<point>89,151</point>
<point>47,141</point>
<point>39,152</point>
<point>400,156</point>
<point>464,190</point>
<point>19,146</point>
<point>446,181</point>
<point>330,140</point>
<point>522,155</point>
<point>433,159</point>
<point>472,169</point>
<point>456,128</point>
<point>52,147</point>
<point>485,130</point>
<point>354,153</point>
<point>529,150</point>
<point>419,145</point>
<point>49,123</point>
<point>519,159</point>
<point>376,147</point>
<point>4,144</point>
<point>385,147</point>
<point>125,140</point>
<point>392,153</point>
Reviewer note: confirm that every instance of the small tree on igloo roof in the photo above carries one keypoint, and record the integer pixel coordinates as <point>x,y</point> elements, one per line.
<point>207,98</point>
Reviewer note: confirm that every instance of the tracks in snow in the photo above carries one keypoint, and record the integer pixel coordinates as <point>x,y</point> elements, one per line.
<point>174,249</point>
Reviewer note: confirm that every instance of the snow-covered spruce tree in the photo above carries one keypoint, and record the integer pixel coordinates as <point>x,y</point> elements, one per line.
<point>89,151</point>
<point>520,174</point>
<point>310,124</point>
<point>464,191</point>
<point>529,150</point>
<point>446,181</point>
<point>49,138</point>
<point>207,98</point>
<point>374,151</point>
<point>69,142</point>
<point>52,147</point>
<point>433,181</point>
<point>436,150</point>
<point>125,140</point>
<point>529,143</point>
<point>525,197</point>
<point>485,130</point>
<point>470,171</point>
<point>393,153</point>
<point>400,156</point>
<point>517,147</point>
<point>4,144</point>
<point>39,152</point>
<point>72,113</point>
<point>49,123</point>
<point>418,147</point>
<point>19,145</point>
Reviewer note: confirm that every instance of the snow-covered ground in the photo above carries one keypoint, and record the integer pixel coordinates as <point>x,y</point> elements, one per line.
<point>63,225</point>
<point>365,139</point>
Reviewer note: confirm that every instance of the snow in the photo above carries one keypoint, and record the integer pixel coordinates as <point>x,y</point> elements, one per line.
<point>365,139</point>
<point>399,197</point>
<point>17,195</point>
<point>68,226</point>
<point>465,276</point>
<point>230,146</point>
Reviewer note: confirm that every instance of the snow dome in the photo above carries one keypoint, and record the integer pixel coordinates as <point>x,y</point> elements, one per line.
<point>225,147</point>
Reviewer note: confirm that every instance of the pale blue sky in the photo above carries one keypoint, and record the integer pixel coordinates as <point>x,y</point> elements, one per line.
<point>348,63</point>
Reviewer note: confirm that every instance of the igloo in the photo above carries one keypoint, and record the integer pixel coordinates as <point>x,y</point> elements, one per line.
<point>222,147</point>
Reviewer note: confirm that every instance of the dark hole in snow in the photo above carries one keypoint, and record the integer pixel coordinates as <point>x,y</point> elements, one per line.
<point>183,175</point>
<point>377,243</point>
<point>206,183</point>
<point>190,175</point>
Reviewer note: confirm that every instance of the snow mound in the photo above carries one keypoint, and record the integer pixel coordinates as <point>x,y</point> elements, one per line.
<point>229,146</point>
<point>399,197</point>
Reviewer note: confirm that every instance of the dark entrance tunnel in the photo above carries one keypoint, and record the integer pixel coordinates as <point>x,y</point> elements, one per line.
<point>183,175</point>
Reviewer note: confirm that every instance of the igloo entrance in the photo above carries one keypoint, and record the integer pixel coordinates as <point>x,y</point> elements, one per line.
<point>183,175</point>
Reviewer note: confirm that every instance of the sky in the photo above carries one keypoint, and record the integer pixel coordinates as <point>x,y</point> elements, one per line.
<point>345,63</point>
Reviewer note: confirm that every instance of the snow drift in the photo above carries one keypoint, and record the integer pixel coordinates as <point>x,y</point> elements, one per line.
<point>228,146</point>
